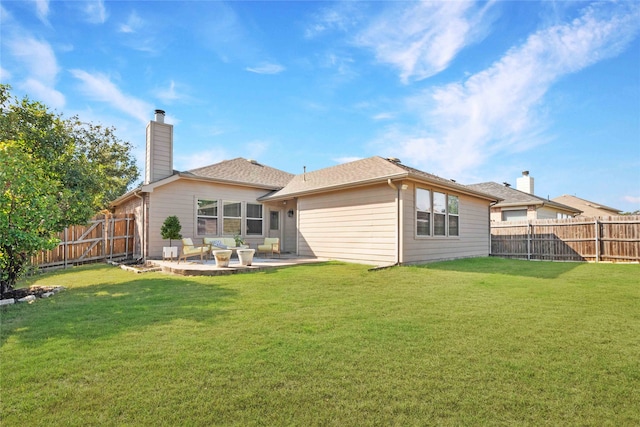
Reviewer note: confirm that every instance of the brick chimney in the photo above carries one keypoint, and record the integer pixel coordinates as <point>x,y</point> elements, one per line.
<point>525,183</point>
<point>159,160</point>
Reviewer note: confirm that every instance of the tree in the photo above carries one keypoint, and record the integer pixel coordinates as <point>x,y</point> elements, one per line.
<point>54,173</point>
<point>171,229</point>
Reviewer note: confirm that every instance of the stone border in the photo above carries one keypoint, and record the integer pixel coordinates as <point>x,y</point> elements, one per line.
<point>31,298</point>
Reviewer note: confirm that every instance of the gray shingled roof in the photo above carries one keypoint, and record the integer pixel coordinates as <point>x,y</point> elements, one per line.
<point>369,170</point>
<point>511,196</point>
<point>243,171</point>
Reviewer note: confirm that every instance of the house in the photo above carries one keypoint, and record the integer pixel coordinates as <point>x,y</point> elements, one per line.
<point>589,209</point>
<point>520,204</point>
<point>375,210</point>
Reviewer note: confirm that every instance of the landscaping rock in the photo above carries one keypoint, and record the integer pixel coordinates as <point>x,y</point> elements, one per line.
<point>28,298</point>
<point>7,301</point>
<point>47,294</point>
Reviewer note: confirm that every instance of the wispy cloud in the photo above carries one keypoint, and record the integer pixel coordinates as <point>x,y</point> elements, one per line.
<point>463,124</point>
<point>342,16</point>
<point>42,10</point>
<point>266,68</point>
<point>95,11</point>
<point>101,88</point>
<point>40,69</point>
<point>632,199</point>
<point>346,159</point>
<point>200,158</point>
<point>169,95</point>
<point>421,39</point>
<point>134,24</point>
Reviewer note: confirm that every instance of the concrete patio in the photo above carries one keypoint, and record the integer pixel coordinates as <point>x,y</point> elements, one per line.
<point>209,268</point>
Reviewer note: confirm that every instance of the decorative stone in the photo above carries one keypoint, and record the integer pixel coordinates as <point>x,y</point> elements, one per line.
<point>47,294</point>
<point>7,301</point>
<point>28,298</point>
<point>58,289</point>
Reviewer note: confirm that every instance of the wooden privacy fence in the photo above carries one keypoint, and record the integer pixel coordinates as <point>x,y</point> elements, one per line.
<point>576,239</point>
<point>104,238</point>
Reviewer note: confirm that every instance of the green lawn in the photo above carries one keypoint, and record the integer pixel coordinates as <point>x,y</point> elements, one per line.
<point>469,342</point>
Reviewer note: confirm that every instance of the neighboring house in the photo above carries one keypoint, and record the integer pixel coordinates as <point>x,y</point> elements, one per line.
<point>589,209</point>
<point>521,204</point>
<point>375,211</point>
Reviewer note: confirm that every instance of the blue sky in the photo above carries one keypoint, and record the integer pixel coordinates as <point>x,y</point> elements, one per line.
<point>474,91</point>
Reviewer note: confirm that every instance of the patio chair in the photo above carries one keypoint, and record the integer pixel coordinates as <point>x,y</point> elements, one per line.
<point>190,250</point>
<point>271,246</point>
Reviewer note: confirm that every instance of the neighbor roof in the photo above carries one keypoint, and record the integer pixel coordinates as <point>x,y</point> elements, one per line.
<point>587,207</point>
<point>512,197</point>
<point>362,172</point>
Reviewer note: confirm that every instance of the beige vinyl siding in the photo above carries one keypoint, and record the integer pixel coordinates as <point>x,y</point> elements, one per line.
<point>160,153</point>
<point>547,213</point>
<point>179,198</point>
<point>356,225</point>
<point>473,239</point>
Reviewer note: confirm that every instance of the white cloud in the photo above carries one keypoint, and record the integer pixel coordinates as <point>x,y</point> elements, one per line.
<point>42,10</point>
<point>383,116</point>
<point>200,159</point>
<point>95,12</point>
<point>133,24</point>
<point>37,56</point>
<point>101,88</point>
<point>346,159</point>
<point>266,68</point>
<point>43,93</point>
<point>462,124</point>
<point>421,39</point>
<point>40,72</point>
<point>632,199</point>
<point>340,17</point>
<point>169,94</point>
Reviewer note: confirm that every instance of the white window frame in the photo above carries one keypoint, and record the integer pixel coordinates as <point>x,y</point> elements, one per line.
<point>206,217</point>
<point>431,214</point>
<point>226,218</point>
<point>260,218</point>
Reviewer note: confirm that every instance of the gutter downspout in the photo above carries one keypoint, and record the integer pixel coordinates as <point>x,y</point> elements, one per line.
<point>492,204</point>
<point>398,213</point>
<point>143,239</point>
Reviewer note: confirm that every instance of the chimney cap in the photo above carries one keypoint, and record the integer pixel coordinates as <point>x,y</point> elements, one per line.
<point>159,112</point>
<point>525,173</point>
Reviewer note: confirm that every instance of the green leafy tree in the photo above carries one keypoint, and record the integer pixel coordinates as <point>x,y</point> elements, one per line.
<point>171,229</point>
<point>54,173</point>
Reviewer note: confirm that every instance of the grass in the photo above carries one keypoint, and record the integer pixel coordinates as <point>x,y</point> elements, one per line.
<point>480,341</point>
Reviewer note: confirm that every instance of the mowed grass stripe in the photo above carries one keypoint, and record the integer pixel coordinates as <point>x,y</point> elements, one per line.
<point>479,341</point>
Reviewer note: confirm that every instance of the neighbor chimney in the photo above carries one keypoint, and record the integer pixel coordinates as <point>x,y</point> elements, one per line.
<point>159,159</point>
<point>525,183</point>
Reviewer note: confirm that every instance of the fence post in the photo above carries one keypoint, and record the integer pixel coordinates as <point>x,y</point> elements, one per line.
<point>597,225</point>
<point>529,232</point>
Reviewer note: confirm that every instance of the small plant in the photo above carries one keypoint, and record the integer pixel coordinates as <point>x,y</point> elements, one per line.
<point>171,229</point>
<point>238,240</point>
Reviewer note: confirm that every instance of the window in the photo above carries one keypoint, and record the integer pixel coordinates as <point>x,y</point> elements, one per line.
<point>423,212</point>
<point>453,215</point>
<point>442,208</point>
<point>254,219</point>
<point>231,218</point>
<point>439,214</point>
<point>207,217</point>
<point>515,215</point>
<point>274,223</point>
